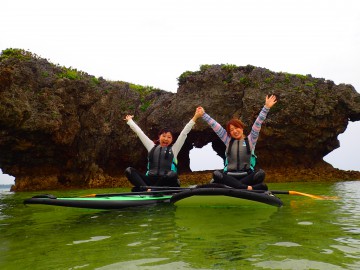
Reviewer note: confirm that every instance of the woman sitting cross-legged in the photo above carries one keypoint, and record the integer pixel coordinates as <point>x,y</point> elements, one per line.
<point>239,171</point>
<point>162,156</point>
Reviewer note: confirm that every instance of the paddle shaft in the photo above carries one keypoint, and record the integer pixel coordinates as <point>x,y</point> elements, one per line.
<point>287,192</point>
<point>153,190</point>
<point>187,188</point>
<point>133,193</point>
<point>292,192</point>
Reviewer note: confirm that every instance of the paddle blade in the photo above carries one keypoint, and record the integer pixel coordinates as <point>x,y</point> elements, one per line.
<point>88,196</point>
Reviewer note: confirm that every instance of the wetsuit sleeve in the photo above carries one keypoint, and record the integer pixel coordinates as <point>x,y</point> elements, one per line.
<point>255,130</point>
<point>182,137</point>
<point>219,130</point>
<point>149,144</point>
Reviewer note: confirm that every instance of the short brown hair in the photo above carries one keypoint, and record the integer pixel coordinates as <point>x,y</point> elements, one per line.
<point>236,123</point>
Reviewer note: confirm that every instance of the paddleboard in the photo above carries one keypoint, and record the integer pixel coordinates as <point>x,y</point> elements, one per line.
<point>223,197</point>
<point>101,201</point>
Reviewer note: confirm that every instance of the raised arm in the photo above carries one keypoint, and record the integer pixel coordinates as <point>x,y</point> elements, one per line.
<point>149,144</point>
<point>183,135</point>
<point>270,101</point>
<point>255,130</point>
<point>219,130</point>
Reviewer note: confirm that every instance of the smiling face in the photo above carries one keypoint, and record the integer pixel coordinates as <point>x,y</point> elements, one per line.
<point>165,139</point>
<point>236,132</point>
<point>235,128</point>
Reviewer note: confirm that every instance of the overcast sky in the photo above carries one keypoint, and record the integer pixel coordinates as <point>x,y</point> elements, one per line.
<point>154,42</point>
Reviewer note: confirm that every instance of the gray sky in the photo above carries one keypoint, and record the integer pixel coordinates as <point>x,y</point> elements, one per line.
<point>153,42</point>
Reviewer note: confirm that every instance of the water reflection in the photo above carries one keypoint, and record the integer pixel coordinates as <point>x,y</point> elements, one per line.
<point>349,205</point>
<point>298,264</point>
<point>348,218</point>
<point>148,264</point>
<point>220,237</point>
<point>304,234</point>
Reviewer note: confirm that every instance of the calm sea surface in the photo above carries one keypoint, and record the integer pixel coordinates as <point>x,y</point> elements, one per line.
<point>303,234</point>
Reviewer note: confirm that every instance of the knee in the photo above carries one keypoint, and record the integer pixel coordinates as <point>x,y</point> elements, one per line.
<point>259,176</point>
<point>128,172</point>
<point>217,177</point>
<point>171,174</point>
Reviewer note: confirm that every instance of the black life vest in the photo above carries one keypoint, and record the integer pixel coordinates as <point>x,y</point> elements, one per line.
<point>239,157</point>
<point>161,160</point>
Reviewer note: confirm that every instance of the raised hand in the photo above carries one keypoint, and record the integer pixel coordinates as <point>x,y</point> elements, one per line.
<point>200,110</point>
<point>270,101</point>
<point>198,114</point>
<point>128,117</point>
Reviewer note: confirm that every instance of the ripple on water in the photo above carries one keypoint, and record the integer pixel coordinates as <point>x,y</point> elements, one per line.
<point>92,239</point>
<point>149,264</point>
<point>351,251</point>
<point>286,244</point>
<point>134,244</point>
<point>327,251</point>
<point>294,264</point>
<point>305,223</point>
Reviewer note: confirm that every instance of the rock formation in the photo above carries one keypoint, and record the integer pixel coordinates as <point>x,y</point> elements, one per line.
<point>64,128</point>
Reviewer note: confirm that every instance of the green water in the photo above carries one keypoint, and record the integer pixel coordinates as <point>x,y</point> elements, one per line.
<point>303,234</point>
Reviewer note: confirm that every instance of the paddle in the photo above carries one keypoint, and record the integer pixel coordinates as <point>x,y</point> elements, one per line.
<point>155,192</point>
<point>292,192</point>
<point>158,188</point>
<point>216,185</point>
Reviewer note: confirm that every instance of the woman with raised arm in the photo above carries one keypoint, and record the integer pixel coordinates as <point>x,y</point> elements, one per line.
<point>162,156</point>
<point>239,171</point>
